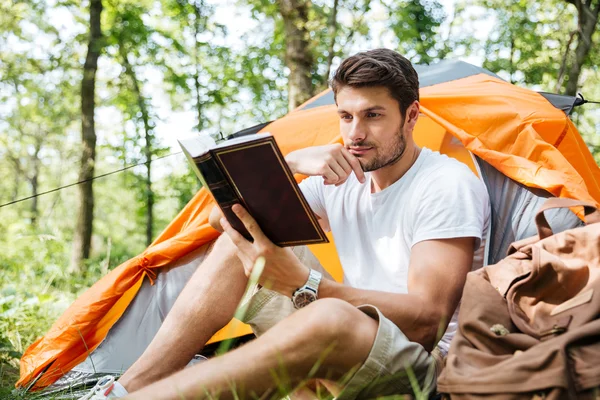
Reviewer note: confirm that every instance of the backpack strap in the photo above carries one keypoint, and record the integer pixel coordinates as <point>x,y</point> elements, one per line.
<point>544,230</point>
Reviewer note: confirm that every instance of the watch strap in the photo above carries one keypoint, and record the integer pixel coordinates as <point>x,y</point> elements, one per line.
<point>314,279</point>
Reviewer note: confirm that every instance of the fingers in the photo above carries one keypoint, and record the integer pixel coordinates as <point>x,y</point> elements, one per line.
<point>355,164</point>
<point>343,163</point>
<point>238,240</point>
<point>250,223</point>
<point>245,251</point>
<point>333,162</point>
<point>330,176</point>
<point>339,166</point>
<point>248,253</point>
<point>346,168</point>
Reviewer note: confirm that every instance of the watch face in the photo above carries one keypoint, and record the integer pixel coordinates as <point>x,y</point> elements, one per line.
<point>304,298</point>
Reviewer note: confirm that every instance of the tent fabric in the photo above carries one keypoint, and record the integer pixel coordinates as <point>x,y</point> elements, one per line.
<point>249,131</point>
<point>513,210</point>
<point>562,101</point>
<point>444,71</point>
<point>516,131</point>
<point>143,318</point>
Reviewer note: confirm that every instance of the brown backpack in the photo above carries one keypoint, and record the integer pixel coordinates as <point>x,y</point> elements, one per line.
<point>529,326</point>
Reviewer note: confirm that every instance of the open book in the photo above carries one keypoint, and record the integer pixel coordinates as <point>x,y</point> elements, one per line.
<point>251,171</point>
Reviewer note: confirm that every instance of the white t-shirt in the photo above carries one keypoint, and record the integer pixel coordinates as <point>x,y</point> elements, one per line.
<point>437,198</point>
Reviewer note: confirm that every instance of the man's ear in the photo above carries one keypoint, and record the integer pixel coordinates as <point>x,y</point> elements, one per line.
<point>412,114</point>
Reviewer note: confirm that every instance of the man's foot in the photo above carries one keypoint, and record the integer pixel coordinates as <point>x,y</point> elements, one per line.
<point>106,388</point>
<point>72,385</point>
<point>198,358</point>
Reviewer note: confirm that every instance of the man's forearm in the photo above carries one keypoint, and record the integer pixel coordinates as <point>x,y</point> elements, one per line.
<point>420,320</point>
<point>291,162</point>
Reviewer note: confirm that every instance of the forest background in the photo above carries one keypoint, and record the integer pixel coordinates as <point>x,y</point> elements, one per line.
<point>95,86</point>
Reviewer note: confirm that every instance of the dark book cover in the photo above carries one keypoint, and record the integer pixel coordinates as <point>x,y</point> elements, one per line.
<point>251,171</point>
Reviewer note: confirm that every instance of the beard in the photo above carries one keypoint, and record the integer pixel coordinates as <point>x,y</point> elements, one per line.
<point>386,155</point>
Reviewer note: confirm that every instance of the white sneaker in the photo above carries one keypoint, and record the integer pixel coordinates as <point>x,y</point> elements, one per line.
<point>106,388</point>
<point>198,358</point>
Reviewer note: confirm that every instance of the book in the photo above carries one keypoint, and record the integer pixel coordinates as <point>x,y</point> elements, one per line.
<point>251,171</point>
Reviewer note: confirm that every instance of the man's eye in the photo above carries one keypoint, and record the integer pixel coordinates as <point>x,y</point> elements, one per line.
<point>372,115</point>
<point>346,116</point>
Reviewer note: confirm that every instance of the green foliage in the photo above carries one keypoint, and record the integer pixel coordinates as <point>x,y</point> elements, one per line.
<point>35,288</point>
<point>271,50</point>
<point>416,24</point>
<point>39,102</point>
<point>528,37</point>
<point>181,188</point>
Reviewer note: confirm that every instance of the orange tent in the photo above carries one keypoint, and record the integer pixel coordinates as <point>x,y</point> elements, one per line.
<point>525,135</point>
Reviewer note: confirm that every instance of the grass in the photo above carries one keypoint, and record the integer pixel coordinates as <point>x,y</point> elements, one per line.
<point>34,291</point>
<point>8,376</point>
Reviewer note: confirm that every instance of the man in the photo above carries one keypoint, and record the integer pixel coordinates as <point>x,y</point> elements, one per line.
<point>409,225</point>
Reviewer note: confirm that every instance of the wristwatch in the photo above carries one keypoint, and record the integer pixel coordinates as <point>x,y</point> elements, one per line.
<point>307,293</point>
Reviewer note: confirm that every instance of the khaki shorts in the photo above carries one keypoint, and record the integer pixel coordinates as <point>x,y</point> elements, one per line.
<point>393,362</point>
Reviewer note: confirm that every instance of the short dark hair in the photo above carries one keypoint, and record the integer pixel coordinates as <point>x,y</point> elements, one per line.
<point>379,67</point>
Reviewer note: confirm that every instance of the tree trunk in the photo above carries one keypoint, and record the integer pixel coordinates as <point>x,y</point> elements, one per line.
<point>34,181</point>
<point>298,56</point>
<point>17,182</point>
<point>587,21</point>
<point>333,28</point>
<point>563,64</point>
<point>34,201</point>
<point>198,28</point>
<point>149,191</point>
<point>82,238</point>
<point>511,64</point>
<point>148,146</point>
<point>19,174</point>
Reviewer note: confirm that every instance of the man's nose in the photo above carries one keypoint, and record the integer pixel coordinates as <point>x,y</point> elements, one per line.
<point>357,131</point>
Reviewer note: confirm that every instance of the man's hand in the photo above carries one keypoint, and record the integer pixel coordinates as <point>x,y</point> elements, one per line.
<point>283,271</point>
<point>333,162</point>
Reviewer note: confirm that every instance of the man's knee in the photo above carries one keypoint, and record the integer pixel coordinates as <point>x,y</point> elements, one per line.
<point>223,245</point>
<point>335,322</point>
<point>222,257</point>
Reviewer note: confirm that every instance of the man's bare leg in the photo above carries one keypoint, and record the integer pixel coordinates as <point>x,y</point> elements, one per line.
<point>329,330</point>
<point>205,305</point>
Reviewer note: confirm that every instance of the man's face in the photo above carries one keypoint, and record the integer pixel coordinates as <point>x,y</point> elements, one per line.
<point>371,125</point>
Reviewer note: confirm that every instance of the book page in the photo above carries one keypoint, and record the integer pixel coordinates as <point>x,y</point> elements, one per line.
<point>197,145</point>
<point>242,139</point>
